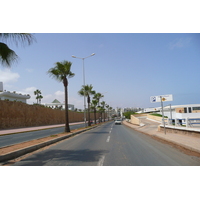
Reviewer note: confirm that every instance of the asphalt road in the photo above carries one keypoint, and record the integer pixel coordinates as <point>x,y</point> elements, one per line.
<point>7,140</point>
<point>110,145</point>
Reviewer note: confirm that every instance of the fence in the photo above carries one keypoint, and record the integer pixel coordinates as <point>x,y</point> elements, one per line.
<point>188,122</point>
<point>18,114</point>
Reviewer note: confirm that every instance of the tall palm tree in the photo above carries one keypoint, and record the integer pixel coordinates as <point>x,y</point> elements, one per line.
<point>103,104</point>
<point>94,107</point>
<point>100,110</point>
<point>61,72</point>
<point>98,96</point>
<point>38,95</point>
<point>110,108</point>
<point>86,90</point>
<point>107,106</point>
<point>7,55</point>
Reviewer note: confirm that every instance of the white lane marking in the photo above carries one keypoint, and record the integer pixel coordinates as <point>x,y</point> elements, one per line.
<point>108,139</point>
<point>101,160</point>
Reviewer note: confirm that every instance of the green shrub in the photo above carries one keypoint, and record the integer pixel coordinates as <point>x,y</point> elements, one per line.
<point>128,114</point>
<point>158,115</point>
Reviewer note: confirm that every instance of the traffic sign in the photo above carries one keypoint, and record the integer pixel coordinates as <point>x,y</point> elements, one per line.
<point>155,99</point>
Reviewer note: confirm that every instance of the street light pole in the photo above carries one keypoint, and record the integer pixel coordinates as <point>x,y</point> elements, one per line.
<point>84,83</point>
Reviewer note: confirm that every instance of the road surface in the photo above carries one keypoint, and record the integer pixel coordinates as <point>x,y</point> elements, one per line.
<point>110,145</point>
<point>7,140</point>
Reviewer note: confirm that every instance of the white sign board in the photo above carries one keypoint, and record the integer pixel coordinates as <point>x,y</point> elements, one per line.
<point>155,99</point>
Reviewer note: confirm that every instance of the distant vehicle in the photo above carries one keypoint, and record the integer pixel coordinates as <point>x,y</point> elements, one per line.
<point>118,121</point>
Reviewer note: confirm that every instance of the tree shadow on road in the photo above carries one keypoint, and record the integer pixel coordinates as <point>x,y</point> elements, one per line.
<point>56,157</point>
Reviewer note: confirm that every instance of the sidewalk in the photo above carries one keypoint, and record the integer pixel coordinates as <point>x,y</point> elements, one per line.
<point>151,128</point>
<point>35,128</point>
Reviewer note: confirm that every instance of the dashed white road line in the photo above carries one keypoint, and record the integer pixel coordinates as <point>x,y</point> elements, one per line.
<point>101,160</point>
<point>108,139</point>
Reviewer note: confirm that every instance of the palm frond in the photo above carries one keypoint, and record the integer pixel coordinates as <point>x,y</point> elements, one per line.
<point>7,55</point>
<point>61,71</point>
<point>23,38</point>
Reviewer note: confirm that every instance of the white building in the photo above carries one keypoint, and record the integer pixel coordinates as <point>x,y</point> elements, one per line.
<point>182,111</point>
<point>57,104</point>
<point>178,111</point>
<point>12,96</point>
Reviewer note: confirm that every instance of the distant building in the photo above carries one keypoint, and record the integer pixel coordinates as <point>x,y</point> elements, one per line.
<point>148,110</point>
<point>177,111</point>
<point>182,111</point>
<point>57,105</point>
<point>12,96</point>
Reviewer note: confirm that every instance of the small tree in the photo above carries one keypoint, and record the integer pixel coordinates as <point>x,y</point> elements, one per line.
<point>128,114</point>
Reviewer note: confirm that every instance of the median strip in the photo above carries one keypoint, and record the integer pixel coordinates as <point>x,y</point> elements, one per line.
<point>23,148</point>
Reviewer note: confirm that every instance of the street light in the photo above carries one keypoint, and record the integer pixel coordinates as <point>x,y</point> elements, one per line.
<point>84,82</point>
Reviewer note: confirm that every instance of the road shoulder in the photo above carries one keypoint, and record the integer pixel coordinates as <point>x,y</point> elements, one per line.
<point>188,144</point>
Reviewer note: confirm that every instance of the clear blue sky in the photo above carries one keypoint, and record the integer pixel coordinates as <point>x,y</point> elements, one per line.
<point>127,68</point>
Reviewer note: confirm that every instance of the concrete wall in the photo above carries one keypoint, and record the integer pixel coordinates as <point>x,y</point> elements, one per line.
<point>140,115</point>
<point>154,118</point>
<point>179,130</point>
<point>135,120</point>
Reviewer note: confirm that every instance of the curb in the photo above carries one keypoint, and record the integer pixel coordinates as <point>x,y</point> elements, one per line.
<point>168,140</point>
<point>179,144</point>
<point>21,152</point>
<point>39,129</point>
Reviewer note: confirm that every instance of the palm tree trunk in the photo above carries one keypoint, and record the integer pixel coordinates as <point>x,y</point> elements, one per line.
<point>67,129</point>
<point>89,124</point>
<point>95,115</point>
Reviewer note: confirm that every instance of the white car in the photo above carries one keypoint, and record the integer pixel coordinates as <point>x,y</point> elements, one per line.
<point>118,121</point>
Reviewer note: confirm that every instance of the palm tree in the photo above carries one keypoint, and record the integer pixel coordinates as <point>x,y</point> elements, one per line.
<point>103,103</point>
<point>7,55</point>
<point>86,91</point>
<point>94,107</point>
<point>107,106</point>
<point>98,96</point>
<point>38,95</point>
<point>61,72</point>
<point>110,108</point>
<point>100,110</point>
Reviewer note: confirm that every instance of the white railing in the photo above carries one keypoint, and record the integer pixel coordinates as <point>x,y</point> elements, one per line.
<point>188,122</point>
